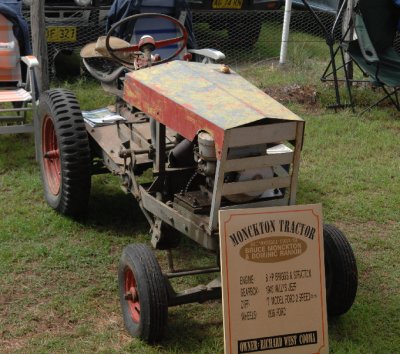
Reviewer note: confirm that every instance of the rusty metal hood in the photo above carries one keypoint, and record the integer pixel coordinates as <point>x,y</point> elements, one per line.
<point>227,100</point>
<point>189,97</point>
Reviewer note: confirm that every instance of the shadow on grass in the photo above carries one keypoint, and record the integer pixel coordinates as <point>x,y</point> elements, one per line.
<point>309,193</point>
<point>17,152</point>
<point>110,209</point>
<point>190,331</point>
<point>355,330</point>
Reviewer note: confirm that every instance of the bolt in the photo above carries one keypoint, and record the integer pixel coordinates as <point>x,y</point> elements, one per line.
<point>128,296</point>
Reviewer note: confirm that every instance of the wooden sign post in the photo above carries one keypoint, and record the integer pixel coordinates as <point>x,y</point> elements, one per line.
<point>39,43</point>
<point>273,280</point>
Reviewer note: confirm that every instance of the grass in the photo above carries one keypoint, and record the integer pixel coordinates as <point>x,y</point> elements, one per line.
<point>58,290</point>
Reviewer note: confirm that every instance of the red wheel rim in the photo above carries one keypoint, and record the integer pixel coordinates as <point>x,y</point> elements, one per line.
<point>51,156</point>
<point>131,295</point>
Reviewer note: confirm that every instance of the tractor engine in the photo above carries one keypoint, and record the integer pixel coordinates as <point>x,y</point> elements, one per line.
<point>206,162</point>
<point>202,154</point>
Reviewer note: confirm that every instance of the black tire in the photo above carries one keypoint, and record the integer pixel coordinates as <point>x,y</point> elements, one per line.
<point>340,271</point>
<point>63,152</point>
<point>244,31</point>
<point>145,307</point>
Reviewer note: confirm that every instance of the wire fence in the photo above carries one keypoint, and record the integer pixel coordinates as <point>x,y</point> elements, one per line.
<point>254,36</point>
<point>246,37</point>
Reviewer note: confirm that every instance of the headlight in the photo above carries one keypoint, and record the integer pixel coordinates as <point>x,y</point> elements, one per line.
<point>83,2</point>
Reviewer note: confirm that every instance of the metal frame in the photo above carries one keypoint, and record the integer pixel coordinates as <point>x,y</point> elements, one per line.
<point>20,114</point>
<point>142,141</point>
<point>331,72</point>
<point>330,39</point>
<point>125,147</point>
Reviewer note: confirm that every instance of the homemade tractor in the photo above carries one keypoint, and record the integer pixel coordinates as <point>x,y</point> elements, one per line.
<point>212,140</point>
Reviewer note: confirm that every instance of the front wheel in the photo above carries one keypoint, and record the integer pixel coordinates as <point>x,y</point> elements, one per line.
<point>63,153</point>
<point>341,275</point>
<point>142,293</point>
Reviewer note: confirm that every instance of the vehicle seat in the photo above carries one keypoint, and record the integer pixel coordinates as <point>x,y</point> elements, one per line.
<point>158,28</point>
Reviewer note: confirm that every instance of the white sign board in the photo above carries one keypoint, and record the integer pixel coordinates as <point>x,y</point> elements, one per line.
<point>273,280</point>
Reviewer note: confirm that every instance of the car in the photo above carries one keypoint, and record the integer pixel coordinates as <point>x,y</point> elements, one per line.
<point>68,21</point>
<point>235,4</point>
<point>70,25</point>
<point>244,28</point>
<point>329,6</point>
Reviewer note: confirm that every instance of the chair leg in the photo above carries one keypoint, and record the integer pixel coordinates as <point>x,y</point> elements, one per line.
<point>348,84</point>
<point>335,79</point>
<point>393,93</point>
<point>397,98</point>
<point>387,96</point>
<point>326,74</point>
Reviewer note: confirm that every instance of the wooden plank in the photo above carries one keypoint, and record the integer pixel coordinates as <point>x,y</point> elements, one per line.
<point>259,204</point>
<point>11,119</point>
<point>258,162</point>
<point>280,171</point>
<point>217,191</point>
<point>259,185</point>
<point>269,133</point>
<point>16,129</point>
<point>39,44</point>
<point>296,162</point>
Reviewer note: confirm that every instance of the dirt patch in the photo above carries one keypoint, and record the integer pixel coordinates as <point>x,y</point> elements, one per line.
<point>305,95</point>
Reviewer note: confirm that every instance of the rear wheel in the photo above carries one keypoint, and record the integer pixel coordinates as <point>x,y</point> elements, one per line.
<point>64,154</point>
<point>143,293</point>
<point>340,271</point>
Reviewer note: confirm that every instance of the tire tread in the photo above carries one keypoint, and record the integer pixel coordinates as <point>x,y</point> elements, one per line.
<point>73,143</point>
<point>345,276</point>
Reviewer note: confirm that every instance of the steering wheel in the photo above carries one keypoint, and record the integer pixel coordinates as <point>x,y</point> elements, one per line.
<point>134,47</point>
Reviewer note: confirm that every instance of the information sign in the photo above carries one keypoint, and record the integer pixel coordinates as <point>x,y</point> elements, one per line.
<point>273,280</point>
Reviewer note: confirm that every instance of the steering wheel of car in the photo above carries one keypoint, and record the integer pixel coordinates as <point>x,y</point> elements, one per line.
<point>135,47</point>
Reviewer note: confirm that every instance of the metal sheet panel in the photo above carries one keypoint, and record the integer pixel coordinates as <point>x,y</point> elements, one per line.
<point>189,97</point>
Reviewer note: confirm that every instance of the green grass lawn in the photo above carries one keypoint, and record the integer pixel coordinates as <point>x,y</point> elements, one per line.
<point>58,277</point>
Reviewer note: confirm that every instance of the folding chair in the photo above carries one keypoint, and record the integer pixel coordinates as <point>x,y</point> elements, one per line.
<point>17,91</point>
<point>367,39</point>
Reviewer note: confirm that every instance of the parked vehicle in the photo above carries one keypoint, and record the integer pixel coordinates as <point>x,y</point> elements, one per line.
<point>212,140</point>
<point>329,6</point>
<point>235,4</point>
<point>244,28</point>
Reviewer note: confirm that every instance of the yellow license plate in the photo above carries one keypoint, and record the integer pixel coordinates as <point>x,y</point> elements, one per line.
<point>61,34</point>
<point>227,4</point>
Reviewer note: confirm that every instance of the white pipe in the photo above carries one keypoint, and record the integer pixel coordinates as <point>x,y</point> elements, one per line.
<point>285,31</point>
